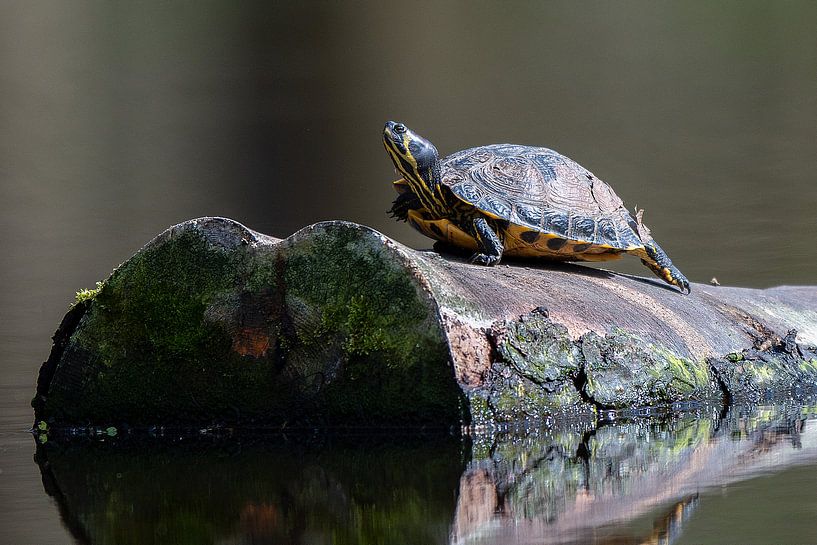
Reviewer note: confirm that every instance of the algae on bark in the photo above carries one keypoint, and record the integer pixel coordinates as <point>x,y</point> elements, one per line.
<point>781,368</point>
<point>624,371</point>
<point>540,370</point>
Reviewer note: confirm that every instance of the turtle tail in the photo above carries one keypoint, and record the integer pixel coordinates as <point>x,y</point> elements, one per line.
<point>659,262</point>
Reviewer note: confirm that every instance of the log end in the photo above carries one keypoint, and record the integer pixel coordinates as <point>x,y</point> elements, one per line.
<point>213,323</point>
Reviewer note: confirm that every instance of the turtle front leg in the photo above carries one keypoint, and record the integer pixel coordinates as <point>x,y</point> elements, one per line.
<point>403,203</point>
<point>661,265</point>
<point>489,243</point>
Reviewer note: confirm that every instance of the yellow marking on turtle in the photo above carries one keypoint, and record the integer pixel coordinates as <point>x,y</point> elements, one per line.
<point>661,272</point>
<point>516,246</point>
<point>489,214</point>
<point>513,246</point>
<point>399,159</point>
<point>596,257</point>
<point>401,185</point>
<point>451,233</point>
<point>640,253</point>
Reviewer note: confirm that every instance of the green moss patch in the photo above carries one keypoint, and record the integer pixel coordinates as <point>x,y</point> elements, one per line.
<point>542,370</point>
<point>392,359</point>
<point>537,368</point>
<point>624,371</point>
<point>783,368</point>
<point>203,327</point>
<point>86,294</point>
<point>145,353</point>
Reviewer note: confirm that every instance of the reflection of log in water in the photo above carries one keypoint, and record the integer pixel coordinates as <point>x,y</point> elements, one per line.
<point>669,527</point>
<point>478,501</point>
<point>578,487</point>
<point>247,490</point>
<point>567,484</point>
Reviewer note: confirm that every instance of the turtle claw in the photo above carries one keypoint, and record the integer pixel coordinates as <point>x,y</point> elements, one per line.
<point>484,259</point>
<point>675,277</point>
<point>402,204</point>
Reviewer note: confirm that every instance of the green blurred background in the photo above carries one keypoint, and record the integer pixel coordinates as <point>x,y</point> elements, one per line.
<point>119,119</point>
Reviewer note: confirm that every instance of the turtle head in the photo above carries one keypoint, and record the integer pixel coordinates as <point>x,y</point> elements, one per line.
<point>416,159</point>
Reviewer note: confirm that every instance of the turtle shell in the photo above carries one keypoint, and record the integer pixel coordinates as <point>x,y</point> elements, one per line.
<point>553,205</point>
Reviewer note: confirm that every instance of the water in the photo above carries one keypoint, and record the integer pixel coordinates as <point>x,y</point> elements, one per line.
<point>688,479</point>
<point>118,120</point>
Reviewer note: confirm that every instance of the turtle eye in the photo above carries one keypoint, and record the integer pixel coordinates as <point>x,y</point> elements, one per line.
<point>399,128</point>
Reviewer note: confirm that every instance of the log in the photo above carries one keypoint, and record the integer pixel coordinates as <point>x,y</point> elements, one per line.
<point>338,325</point>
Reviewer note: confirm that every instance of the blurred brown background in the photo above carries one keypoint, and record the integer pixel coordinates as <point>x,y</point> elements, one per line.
<point>120,119</point>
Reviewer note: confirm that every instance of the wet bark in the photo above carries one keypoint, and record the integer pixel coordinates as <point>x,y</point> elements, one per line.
<point>339,325</point>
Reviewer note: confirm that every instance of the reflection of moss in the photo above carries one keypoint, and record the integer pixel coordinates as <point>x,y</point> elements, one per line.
<point>541,473</point>
<point>481,413</point>
<point>347,492</point>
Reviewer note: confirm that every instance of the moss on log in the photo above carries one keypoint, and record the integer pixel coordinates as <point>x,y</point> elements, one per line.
<point>212,323</point>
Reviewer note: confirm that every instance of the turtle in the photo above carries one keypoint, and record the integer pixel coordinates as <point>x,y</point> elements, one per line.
<point>514,200</point>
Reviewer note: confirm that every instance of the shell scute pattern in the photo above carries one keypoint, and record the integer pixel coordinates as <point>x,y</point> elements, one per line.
<point>540,189</point>
<point>527,214</point>
<point>629,239</point>
<point>582,228</point>
<point>556,222</point>
<point>606,232</point>
<point>505,173</point>
<point>469,191</point>
<point>495,206</point>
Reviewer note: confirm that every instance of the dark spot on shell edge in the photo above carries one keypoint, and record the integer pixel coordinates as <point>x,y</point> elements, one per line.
<point>530,236</point>
<point>556,243</point>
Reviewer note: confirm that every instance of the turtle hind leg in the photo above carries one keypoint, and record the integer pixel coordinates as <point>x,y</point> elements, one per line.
<point>489,243</point>
<point>660,263</point>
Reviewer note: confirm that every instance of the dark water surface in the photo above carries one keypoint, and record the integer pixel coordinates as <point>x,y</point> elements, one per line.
<point>688,479</point>
<point>119,119</point>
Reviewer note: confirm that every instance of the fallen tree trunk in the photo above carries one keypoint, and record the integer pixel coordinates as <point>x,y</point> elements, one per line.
<point>339,325</point>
